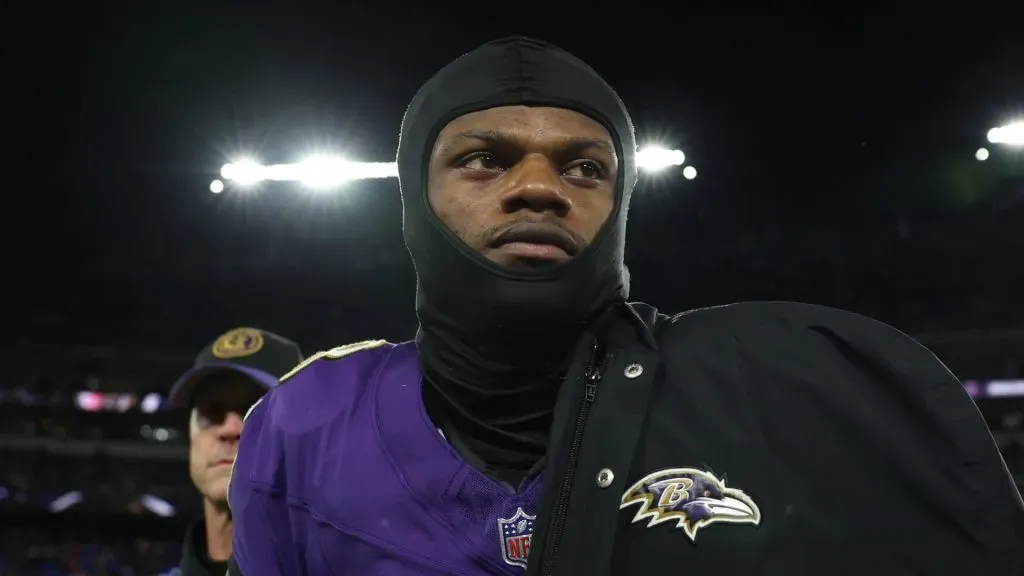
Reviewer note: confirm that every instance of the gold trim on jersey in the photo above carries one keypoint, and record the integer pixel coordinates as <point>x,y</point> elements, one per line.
<point>335,354</point>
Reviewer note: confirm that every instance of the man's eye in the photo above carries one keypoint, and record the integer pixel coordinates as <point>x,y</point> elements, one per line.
<point>482,161</point>
<point>586,169</point>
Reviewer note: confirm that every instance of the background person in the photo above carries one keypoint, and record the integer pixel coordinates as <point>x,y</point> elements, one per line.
<point>228,377</point>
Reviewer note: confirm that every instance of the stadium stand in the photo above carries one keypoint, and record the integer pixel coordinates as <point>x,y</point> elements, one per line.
<point>93,466</point>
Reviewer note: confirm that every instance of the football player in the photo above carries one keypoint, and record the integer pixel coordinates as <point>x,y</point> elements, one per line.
<point>540,422</point>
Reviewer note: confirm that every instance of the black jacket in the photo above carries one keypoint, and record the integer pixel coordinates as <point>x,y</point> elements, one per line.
<point>860,452</point>
<point>195,560</point>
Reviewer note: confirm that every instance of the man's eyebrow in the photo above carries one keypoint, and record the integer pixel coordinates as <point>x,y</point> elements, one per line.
<point>493,137</point>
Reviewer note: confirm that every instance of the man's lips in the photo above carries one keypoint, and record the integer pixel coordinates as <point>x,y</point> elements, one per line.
<point>534,251</point>
<point>536,241</point>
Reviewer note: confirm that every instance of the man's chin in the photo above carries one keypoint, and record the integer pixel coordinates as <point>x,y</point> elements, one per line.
<point>217,492</point>
<point>218,501</point>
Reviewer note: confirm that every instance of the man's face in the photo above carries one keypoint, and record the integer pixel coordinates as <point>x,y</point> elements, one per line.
<point>220,403</point>
<point>523,186</point>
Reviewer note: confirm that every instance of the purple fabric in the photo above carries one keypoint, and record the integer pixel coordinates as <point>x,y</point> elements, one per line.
<point>341,472</point>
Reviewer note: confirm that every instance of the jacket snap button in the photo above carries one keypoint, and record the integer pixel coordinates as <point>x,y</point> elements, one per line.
<point>605,478</point>
<point>633,370</point>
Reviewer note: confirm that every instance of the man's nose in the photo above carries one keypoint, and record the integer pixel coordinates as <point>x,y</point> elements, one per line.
<point>231,429</point>
<point>536,186</point>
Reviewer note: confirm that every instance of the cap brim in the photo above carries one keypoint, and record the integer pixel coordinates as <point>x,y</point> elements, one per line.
<point>185,386</point>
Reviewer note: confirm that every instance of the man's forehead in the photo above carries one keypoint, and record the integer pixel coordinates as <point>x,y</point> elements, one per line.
<point>525,123</point>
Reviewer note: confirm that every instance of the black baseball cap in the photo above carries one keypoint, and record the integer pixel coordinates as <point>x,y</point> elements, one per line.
<point>261,355</point>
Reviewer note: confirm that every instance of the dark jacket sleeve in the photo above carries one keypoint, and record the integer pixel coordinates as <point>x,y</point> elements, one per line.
<point>262,542</point>
<point>880,422</point>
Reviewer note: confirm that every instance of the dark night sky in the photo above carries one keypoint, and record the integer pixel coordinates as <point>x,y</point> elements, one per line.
<point>835,150</point>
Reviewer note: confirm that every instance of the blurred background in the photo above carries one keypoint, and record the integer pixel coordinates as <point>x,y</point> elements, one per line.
<point>842,157</point>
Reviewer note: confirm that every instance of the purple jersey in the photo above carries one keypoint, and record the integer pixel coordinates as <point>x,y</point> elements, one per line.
<point>340,471</point>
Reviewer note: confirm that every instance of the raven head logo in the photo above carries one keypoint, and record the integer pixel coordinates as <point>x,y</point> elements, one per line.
<point>689,497</point>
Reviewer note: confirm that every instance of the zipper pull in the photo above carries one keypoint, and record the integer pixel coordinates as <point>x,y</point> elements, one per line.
<point>593,373</point>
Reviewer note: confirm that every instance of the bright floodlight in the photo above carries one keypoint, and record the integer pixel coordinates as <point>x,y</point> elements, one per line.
<point>981,154</point>
<point>216,186</point>
<point>654,158</point>
<point>330,171</point>
<point>243,172</point>
<point>1011,134</point>
<point>316,172</point>
<point>689,172</point>
<point>323,172</point>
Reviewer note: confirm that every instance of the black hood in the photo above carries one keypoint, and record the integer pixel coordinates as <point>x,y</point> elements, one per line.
<point>459,289</point>
<point>494,343</point>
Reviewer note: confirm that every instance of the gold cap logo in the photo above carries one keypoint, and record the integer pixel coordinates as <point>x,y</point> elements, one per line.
<point>238,343</point>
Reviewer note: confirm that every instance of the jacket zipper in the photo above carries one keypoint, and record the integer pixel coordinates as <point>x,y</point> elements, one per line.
<point>591,378</point>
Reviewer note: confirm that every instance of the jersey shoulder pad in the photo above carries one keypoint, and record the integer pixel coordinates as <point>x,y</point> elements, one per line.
<point>335,354</point>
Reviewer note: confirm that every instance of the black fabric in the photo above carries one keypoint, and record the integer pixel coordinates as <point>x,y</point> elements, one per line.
<point>495,343</point>
<point>233,569</point>
<point>195,559</point>
<point>862,452</point>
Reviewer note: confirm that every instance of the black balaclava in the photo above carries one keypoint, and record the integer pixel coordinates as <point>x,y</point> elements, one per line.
<point>495,343</point>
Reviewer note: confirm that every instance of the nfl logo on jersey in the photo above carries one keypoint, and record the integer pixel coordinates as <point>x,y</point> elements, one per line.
<point>516,533</point>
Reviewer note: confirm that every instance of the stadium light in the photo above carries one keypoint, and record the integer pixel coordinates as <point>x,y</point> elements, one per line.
<point>1011,134</point>
<point>982,154</point>
<point>320,172</point>
<point>243,172</point>
<point>656,158</point>
<point>315,172</point>
<point>689,172</point>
